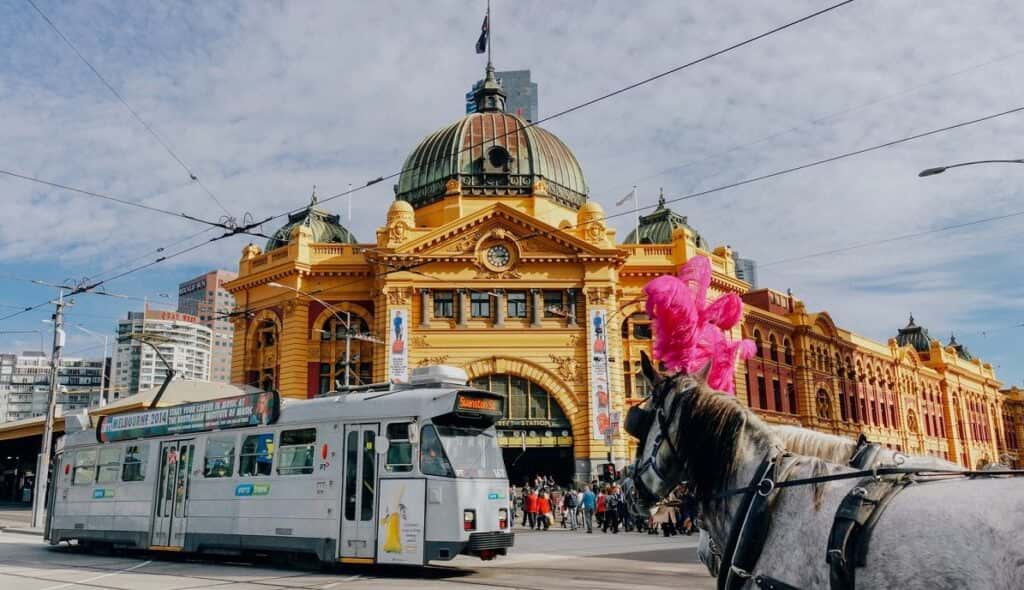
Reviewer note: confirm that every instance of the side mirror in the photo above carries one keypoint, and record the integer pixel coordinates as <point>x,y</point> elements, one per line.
<point>414,433</point>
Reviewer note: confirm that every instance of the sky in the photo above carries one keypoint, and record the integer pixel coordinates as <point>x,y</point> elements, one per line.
<point>264,100</point>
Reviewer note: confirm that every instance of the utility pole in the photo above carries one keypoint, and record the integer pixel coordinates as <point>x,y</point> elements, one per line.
<point>43,465</point>
<point>348,347</point>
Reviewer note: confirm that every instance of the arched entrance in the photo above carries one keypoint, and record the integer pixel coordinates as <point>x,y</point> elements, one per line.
<point>535,434</point>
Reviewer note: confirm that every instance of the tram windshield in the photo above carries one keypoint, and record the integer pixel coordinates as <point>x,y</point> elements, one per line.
<point>472,450</point>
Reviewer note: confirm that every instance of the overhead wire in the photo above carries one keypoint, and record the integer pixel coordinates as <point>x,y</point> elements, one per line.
<point>581,105</point>
<point>792,169</point>
<point>822,119</point>
<point>127,106</point>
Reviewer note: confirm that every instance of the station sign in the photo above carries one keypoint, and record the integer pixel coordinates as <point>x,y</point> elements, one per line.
<point>251,409</point>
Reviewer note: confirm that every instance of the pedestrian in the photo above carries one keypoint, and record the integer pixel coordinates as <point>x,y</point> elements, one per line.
<point>544,511</point>
<point>569,507</point>
<point>600,508</point>
<point>531,509</point>
<point>589,503</point>
<point>611,511</point>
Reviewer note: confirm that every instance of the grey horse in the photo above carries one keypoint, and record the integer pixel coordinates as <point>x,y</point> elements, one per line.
<point>945,533</point>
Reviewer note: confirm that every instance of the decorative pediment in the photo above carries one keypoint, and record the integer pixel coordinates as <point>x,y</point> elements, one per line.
<point>527,238</point>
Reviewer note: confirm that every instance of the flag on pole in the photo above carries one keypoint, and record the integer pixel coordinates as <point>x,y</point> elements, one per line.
<point>485,31</point>
<point>626,198</point>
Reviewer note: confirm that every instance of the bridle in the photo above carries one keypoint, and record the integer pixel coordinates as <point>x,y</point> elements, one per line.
<point>646,475</point>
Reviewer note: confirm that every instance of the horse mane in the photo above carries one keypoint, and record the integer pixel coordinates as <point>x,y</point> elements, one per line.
<point>710,434</point>
<point>827,447</point>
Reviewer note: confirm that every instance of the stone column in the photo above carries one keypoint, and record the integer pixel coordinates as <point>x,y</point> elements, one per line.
<point>537,309</point>
<point>424,308</point>
<point>499,308</point>
<point>571,294</point>
<point>463,308</point>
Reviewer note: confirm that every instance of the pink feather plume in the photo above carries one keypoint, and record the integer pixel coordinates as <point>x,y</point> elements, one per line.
<point>689,331</point>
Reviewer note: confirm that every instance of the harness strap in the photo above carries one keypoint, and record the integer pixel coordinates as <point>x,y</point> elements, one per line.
<point>770,583</point>
<point>855,518</point>
<point>726,575</point>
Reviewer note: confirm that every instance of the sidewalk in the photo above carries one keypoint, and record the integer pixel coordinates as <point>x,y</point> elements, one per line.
<point>17,518</point>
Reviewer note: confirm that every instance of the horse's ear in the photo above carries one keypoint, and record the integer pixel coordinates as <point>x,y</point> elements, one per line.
<point>702,375</point>
<point>648,369</point>
<point>862,440</point>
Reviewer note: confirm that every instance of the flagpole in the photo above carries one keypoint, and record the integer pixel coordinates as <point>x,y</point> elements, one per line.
<point>350,206</point>
<point>490,37</point>
<point>636,215</point>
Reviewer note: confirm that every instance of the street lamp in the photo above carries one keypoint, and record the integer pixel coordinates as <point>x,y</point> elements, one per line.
<point>347,321</point>
<point>941,169</point>
<point>103,366</point>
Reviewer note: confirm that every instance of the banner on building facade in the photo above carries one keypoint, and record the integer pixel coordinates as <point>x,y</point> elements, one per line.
<point>600,394</point>
<point>251,409</point>
<point>398,341</point>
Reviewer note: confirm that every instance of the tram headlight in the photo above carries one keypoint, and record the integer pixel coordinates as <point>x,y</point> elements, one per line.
<point>503,518</point>
<point>469,520</point>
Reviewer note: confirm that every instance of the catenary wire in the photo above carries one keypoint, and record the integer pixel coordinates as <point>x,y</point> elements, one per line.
<point>792,169</point>
<point>133,112</point>
<point>821,119</point>
<point>583,105</point>
<point>898,238</point>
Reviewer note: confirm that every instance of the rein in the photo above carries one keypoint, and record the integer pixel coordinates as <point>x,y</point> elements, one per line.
<point>767,486</point>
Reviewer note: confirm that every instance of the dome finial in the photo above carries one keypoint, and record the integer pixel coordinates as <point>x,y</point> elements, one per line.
<point>911,324</point>
<point>313,200</point>
<point>661,197</point>
<point>490,96</point>
<point>952,339</point>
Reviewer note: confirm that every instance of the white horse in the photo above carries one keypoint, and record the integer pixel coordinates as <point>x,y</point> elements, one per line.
<point>830,448</point>
<point>937,533</point>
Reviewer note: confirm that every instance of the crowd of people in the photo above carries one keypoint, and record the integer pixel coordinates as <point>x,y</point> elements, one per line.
<point>542,504</point>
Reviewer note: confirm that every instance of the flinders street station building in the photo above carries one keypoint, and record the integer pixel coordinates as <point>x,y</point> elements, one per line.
<point>494,259</point>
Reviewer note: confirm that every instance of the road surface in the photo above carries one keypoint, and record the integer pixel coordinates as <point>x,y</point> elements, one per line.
<point>553,559</point>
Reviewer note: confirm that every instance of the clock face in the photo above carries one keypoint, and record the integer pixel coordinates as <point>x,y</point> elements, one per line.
<point>498,256</point>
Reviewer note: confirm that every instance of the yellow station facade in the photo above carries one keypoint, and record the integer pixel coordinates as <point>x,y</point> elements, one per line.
<point>493,258</point>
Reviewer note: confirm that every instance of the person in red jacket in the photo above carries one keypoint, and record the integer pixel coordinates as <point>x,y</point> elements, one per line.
<point>531,509</point>
<point>543,511</point>
<point>600,508</point>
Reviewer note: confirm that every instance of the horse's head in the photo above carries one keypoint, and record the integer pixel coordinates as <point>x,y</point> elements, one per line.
<point>659,467</point>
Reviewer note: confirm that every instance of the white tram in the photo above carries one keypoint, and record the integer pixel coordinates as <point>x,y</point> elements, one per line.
<point>404,474</point>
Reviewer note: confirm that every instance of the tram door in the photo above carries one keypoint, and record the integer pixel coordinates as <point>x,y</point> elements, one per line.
<point>359,494</point>
<point>170,514</point>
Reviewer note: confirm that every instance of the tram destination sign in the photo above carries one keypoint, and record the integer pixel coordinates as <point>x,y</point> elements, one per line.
<point>251,409</point>
<point>478,404</point>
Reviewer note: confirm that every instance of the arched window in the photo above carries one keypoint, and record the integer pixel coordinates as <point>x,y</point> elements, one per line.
<point>787,351</point>
<point>636,327</point>
<point>334,365</point>
<point>773,348</point>
<point>824,405</point>
<point>262,370</point>
<point>526,403</point>
<point>758,343</point>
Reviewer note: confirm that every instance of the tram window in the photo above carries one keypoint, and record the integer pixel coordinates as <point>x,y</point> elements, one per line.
<point>351,458</point>
<point>296,454</point>
<point>369,475</point>
<point>85,468</point>
<point>432,458</point>
<point>110,466</point>
<point>220,457</point>
<point>134,468</point>
<point>399,447</point>
<point>257,455</point>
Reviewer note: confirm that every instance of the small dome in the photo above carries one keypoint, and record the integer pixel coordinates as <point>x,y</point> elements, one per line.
<point>491,153</point>
<point>399,207</point>
<point>657,228</point>
<point>591,207</point>
<point>914,335</point>
<point>961,350</point>
<point>326,228</point>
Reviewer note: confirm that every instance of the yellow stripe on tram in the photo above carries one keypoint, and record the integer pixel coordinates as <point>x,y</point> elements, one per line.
<point>364,560</point>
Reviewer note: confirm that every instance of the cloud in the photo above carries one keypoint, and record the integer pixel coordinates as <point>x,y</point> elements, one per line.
<point>264,100</point>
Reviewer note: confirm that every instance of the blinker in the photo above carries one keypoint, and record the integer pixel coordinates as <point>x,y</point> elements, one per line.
<point>638,421</point>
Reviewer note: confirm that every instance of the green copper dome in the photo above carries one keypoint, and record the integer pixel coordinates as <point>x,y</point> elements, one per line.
<point>326,228</point>
<point>657,227</point>
<point>491,153</point>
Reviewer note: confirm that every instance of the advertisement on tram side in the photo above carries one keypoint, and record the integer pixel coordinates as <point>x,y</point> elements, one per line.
<point>251,409</point>
<point>400,529</point>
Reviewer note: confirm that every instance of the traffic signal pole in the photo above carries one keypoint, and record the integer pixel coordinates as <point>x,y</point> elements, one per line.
<point>43,464</point>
